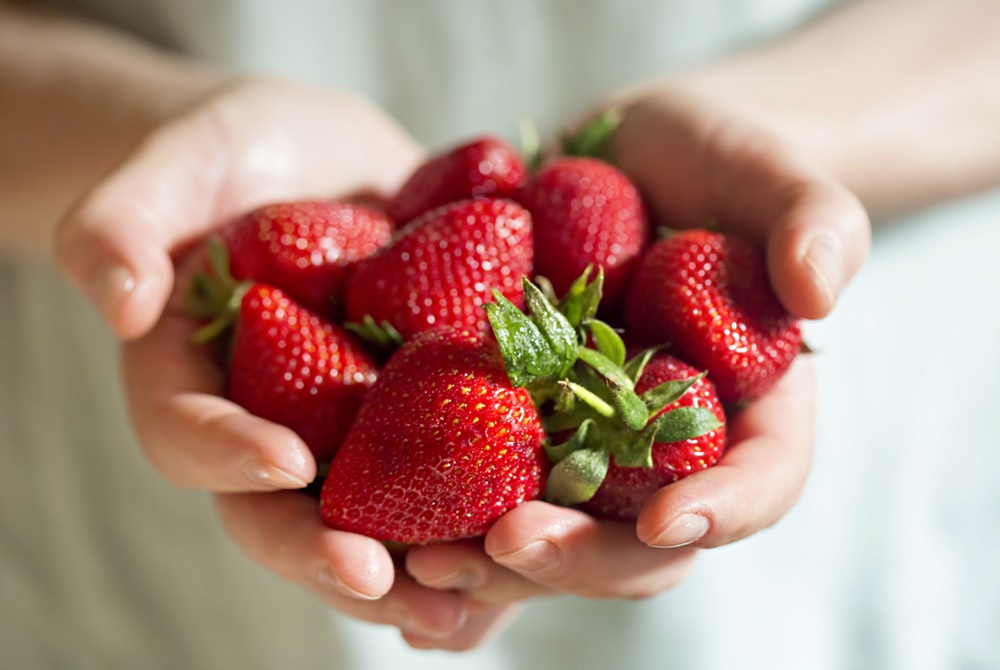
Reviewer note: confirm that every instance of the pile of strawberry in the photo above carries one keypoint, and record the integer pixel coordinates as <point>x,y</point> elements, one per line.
<point>439,386</point>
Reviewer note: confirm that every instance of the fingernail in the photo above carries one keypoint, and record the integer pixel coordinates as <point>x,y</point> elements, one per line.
<point>268,474</point>
<point>535,557</point>
<point>460,579</point>
<point>406,622</point>
<point>326,576</point>
<point>684,530</point>
<point>824,258</point>
<point>111,286</point>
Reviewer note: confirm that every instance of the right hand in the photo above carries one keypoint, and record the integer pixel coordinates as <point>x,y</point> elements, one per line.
<point>246,144</point>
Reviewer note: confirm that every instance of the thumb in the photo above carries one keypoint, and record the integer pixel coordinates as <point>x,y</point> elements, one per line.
<point>115,243</point>
<point>820,238</point>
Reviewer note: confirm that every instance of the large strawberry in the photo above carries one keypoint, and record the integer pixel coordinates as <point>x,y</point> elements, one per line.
<point>306,248</point>
<point>585,213</point>
<point>625,490</point>
<point>442,267</point>
<point>708,295</point>
<point>284,362</point>
<point>443,445</point>
<point>484,167</point>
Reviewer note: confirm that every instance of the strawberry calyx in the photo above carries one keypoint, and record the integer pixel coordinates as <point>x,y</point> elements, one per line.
<point>575,368</point>
<point>215,296</point>
<point>592,139</point>
<point>383,335</point>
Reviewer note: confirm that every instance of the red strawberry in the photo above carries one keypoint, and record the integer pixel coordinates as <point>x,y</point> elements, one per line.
<point>292,367</point>
<point>485,167</point>
<point>443,445</point>
<point>305,248</point>
<point>625,490</point>
<point>709,296</point>
<point>585,212</point>
<point>442,266</point>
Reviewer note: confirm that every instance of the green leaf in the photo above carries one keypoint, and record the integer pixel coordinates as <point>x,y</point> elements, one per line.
<point>608,341</point>
<point>576,478</point>
<point>226,318</point>
<point>527,354</point>
<point>684,423</point>
<point>635,366</point>
<point>583,297</point>
<point>593,138</point>
<point>558,452</point>
<point>608,368</point>
<point>660,396</point>
<point>633,450</point>
<point>557,331</point>
<point>629,406</point>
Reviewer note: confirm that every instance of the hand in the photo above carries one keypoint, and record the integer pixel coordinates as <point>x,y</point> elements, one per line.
<point>247,144</point>
<point>697,159</point>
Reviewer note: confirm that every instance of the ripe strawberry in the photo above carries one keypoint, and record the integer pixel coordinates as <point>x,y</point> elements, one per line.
<point>585,212</point>
<point>443,445</point>
<point>484,167</point>
<point>709,296</point>
<point>442,266</point>
<point>285,363</point>
<point>625,490</point>
<point>290,366</point>
<point>305,248</point>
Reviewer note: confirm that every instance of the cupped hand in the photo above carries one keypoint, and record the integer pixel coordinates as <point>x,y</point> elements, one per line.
<point>699,159</point>
<point>126,245</point>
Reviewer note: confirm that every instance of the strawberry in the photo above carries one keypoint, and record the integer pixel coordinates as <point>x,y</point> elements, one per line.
<point>306,248</point>
<point>585,213</point>
<point>284,362</point>
<point>708,295</point>
<point>618,430</point>
<point>441,267</point>
<point>290,366</point>
<point>625,490</point>
<point>484,167</point>
<point>443,445</point>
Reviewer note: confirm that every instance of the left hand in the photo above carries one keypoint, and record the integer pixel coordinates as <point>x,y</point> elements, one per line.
<point>696,158</point>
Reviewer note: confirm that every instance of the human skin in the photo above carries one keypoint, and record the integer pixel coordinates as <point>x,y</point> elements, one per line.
<point>791,143</point>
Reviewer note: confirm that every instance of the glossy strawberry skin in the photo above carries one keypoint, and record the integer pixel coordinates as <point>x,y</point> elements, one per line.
<point>709,296</point>
<point>306,248</point>
<point>442,267</point>
<point>292,367</point>
<point>443,446</point>
<point>585,212</point>
<point>626,490</point>
<point>484,167</point>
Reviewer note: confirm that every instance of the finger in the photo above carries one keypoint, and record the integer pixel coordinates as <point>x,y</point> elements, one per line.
<point>464,566</point>
<point>569,551</point>
<point>283,532</point>
<point>193,436</point>
<point>116,243</point>
<point>757,481</point>
<point>697,164</point>
<point>816,232</point>
<point>483,623</point>
<point>820,239</point>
